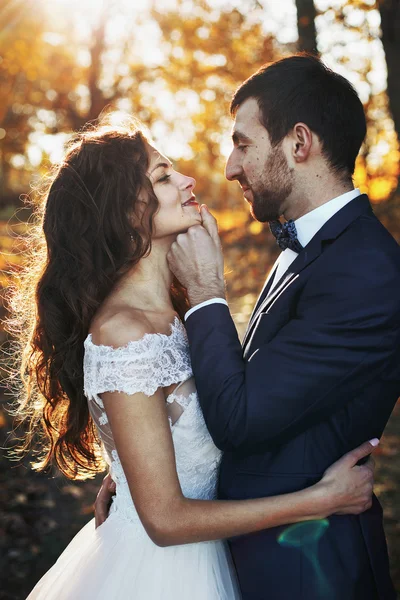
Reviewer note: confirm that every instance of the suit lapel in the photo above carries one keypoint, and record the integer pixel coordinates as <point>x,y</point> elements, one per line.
<point>264,292</point>
<point>330,231</point>
<point>267,286</point>
<point>283,283</point>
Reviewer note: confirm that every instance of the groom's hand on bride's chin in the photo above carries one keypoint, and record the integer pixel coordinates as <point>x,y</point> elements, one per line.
<point>209,223</point>
<point>196,260</point>
<point>103,500</point>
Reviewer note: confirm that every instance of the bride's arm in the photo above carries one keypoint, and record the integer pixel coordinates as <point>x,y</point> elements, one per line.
<point>144,443</point>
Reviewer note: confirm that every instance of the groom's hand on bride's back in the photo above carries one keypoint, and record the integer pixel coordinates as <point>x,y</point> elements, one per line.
<point>103,500</point>
<point>196,259</point>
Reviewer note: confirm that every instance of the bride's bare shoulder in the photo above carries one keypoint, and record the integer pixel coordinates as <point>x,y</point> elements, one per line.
<point>119,328</point>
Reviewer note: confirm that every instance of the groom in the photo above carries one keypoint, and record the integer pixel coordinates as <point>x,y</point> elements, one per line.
<point>319,370</point>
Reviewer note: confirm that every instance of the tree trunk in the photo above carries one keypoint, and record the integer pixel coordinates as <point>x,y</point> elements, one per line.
<point>390,27</point>
<point>97,100</point>
<point>306,14</point>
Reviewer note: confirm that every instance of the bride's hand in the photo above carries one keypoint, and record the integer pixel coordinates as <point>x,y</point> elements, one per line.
<point>349,486</point>
<point>103,499</point>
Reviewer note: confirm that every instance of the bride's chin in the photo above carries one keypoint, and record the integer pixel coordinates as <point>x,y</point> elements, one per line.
<point>193,220</point>
<point>190,223</point>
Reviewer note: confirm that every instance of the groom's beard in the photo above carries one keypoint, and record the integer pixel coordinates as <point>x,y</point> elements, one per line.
<point>274,188</point>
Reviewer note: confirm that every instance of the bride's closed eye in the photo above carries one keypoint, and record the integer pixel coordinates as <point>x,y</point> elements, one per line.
<point>164,179</point>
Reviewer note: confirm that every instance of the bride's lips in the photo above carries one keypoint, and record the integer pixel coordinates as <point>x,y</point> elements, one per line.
<point>191,202</point>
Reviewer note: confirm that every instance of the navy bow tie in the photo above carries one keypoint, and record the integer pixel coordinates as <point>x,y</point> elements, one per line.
<point>286,235</point>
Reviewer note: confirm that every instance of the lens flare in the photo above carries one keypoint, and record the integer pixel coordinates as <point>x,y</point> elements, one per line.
<point>305,537</point>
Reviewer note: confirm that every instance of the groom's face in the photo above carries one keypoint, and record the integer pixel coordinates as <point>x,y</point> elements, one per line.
<point>261,169</point>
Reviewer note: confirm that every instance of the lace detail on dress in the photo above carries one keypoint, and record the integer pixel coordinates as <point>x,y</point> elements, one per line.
<point>197,458</point>
<point>103,419</point>
<point>156,360</point>
<point>116,468</point>
<point>180,399</point>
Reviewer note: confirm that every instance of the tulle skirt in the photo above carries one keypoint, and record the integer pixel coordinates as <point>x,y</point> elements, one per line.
<point>113,562</point>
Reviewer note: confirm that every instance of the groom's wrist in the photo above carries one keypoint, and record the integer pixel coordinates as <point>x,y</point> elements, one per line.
<point>197,297</point>
<point>203,304</point>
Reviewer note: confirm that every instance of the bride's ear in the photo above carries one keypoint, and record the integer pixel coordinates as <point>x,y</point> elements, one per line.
<point>138,211</point>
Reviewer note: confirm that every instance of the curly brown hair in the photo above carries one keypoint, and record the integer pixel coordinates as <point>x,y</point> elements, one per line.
<point>82,242</point>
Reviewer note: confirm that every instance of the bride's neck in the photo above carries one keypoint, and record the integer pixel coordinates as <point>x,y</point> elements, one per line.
<point>147,285</point>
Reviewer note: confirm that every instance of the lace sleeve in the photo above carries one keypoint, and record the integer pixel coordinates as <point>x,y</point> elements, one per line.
<point>154,361</point>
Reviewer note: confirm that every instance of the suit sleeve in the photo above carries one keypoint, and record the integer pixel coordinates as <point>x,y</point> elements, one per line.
<point>342,337</point>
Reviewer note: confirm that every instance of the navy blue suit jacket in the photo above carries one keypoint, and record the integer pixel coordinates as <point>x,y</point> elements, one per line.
<point>318,374</point>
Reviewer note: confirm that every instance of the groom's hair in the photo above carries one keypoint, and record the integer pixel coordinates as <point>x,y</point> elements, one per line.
<point>301,88</point>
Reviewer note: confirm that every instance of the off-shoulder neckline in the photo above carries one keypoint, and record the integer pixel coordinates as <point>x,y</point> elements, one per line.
<point>176,325</point>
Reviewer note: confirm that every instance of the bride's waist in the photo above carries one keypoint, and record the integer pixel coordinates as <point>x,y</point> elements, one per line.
<point>122,504</point>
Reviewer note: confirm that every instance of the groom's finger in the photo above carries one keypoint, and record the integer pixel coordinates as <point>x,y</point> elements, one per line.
<point>353,457</point>
<point>370,464</point>
<point>210,224</point>
<point>102,500</point>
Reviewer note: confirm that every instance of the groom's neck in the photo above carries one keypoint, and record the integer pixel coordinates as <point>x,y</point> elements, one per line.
<point>312,192</point>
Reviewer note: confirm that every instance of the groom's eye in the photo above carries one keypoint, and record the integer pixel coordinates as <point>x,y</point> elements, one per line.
<point>242,147</point>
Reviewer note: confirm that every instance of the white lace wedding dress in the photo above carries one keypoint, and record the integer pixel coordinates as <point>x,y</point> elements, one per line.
<point>118,561</point>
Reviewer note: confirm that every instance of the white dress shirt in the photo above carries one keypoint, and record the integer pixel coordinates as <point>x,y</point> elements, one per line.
<point>307,226</point>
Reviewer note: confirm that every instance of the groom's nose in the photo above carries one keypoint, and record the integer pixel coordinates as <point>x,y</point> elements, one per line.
<point>233,168</point>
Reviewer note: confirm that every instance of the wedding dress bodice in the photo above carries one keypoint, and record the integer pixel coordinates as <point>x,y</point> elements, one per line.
<point>156,360</point>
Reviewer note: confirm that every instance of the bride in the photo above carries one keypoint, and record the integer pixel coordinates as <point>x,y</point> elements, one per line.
<point>108,379</point>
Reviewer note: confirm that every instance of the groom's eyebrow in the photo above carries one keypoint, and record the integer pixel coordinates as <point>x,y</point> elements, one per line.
<point>238,136</point>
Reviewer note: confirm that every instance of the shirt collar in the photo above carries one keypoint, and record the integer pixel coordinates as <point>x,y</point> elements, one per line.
<point>308,225</point>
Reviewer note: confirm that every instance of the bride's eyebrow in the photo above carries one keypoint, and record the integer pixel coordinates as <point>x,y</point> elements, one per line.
<point>163,164</point>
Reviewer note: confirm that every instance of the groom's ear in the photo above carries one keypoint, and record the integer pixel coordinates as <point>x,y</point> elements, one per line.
<point>302,141</point>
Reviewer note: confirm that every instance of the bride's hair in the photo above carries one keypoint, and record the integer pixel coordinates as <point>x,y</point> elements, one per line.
<point>82,240</point>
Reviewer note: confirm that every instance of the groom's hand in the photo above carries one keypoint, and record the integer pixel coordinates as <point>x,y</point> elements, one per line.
<point>103,500</point>
<point>196,260</point>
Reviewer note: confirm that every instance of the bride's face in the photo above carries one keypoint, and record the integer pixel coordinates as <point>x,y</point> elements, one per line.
<point>178,209</point>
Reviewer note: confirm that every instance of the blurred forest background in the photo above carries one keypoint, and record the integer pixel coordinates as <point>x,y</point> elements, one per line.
<point>174,64</point>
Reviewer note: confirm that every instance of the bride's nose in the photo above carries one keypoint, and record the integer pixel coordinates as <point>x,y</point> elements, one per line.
<point>188,183</point>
